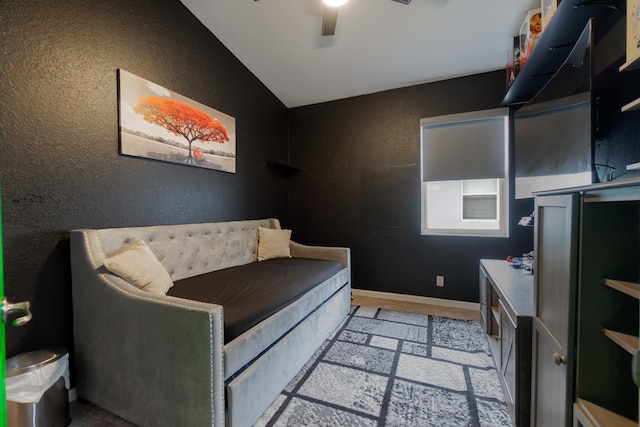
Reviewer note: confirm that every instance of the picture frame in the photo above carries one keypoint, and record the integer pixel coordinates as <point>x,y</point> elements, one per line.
<point>157,123</point>
<point>633,30</point>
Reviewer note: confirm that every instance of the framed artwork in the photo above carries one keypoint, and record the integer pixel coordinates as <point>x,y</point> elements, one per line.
<point>633,30</point>
<point>157,123</point>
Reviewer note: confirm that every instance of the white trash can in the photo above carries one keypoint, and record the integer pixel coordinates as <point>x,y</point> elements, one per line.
<point>37,389</point>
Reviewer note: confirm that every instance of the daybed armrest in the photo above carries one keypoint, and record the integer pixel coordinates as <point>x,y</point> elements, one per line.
<point>165,352</point>
<point>299,250</point>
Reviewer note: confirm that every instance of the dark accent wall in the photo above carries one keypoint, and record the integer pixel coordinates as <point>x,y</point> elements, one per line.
<point>59,139</point>
<point>358,183</point>
<point>359,186</point>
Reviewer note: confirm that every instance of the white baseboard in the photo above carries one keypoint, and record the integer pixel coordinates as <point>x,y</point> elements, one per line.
<point>417,299</point>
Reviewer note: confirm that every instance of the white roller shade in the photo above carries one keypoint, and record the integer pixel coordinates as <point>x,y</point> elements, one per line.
<point>465,146</point>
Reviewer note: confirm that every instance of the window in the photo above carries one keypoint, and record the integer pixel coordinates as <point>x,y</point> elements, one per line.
<point>464,174</point>
<point>463,207</point>
<point>480,199</point>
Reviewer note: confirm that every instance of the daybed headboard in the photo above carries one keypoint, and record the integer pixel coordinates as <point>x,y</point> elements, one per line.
<point>187,249</point>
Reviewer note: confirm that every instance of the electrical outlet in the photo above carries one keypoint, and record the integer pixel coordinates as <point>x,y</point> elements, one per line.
<point>440,281</point>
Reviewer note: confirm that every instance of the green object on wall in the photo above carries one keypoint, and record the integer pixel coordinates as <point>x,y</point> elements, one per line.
<point>3,376</point>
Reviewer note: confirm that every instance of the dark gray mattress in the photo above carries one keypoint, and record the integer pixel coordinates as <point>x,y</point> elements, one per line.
<point>252,292</point>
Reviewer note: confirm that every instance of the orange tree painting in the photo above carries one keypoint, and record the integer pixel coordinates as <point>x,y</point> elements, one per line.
<point>182,119</point>
<point>159,124</point>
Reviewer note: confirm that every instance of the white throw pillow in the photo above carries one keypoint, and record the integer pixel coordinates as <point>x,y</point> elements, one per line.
<point>273,243</point>
<point>138,265</point>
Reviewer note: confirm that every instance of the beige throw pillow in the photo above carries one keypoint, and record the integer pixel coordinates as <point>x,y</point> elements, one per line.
<point>138,265</point>
<point>273,243</point>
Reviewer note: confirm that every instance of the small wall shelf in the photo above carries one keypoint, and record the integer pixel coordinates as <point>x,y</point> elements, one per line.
<point>283,170</point>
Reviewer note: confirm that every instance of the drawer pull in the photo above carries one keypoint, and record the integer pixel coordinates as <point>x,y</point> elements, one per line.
<point>559,360</point>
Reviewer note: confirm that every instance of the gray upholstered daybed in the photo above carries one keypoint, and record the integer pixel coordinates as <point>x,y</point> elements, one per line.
<point>159,359</point>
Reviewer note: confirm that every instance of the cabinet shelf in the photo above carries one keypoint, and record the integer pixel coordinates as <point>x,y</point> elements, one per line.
<point>627,342</point>
<point>633,64</point>
<point>631,289</point>
<point>633,105</point>
<point>603,417</point>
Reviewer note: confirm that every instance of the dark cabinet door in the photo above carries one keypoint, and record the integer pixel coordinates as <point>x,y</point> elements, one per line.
<point>484,291</point>
<point>508,352</point>
<point>556,244</point>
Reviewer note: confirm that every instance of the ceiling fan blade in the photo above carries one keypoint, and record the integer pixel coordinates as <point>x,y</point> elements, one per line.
<point>329,19</point>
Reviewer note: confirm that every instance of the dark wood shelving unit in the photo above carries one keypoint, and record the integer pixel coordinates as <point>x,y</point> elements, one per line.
<point>608,308</point>
<point>556,43</point>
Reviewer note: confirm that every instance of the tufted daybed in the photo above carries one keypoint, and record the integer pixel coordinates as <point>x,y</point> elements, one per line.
<point>159,359</point>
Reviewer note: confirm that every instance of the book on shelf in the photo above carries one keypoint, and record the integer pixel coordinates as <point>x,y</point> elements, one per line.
<point>548,9</point>
<point>530,32</point>
<point>513,61</point>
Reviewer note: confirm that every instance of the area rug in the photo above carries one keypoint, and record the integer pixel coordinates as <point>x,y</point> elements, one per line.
<point>389,368</point>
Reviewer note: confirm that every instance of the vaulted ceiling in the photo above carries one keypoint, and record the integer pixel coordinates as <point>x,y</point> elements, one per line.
<point>378,44</point>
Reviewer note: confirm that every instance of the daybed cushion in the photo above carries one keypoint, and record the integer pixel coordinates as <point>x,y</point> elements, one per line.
<point>137,264</point>
<point>252,292</point>
<point>273,243</point>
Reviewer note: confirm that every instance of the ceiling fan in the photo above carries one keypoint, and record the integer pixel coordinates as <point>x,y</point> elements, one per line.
<point>330,15</point>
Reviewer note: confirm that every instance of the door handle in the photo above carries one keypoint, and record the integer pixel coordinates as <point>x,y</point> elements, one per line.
<point>559,360</point>
<point>19,307</point>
